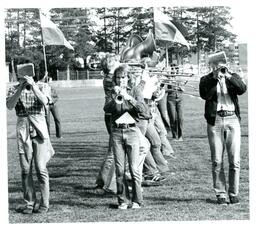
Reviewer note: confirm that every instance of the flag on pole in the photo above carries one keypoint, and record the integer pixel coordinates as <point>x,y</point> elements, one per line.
<point>52,35</point>
<point>165,30</point>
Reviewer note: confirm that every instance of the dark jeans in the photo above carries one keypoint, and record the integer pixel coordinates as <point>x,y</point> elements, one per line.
<point>162,107</point>
<point>55,113</point>
<point>174,108</point>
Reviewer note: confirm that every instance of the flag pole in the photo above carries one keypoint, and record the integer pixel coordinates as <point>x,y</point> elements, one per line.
<point>43,44</point>
<point>166,54</point>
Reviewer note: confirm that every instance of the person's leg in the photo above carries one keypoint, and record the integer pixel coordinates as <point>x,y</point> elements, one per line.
<point>132,149</point>
<point>171,108</point>
<point>155,141</point>
<point>233,141</point>
<point>162,106</point>
<point>119,156</point>
<point>106,167</point>
<point>179,109</point>
<point>217,147</point>
<point>48,120</point>
<point>29,193</point>
<point>41,157</point>
<point>56,117</point>
<point>166,147</point>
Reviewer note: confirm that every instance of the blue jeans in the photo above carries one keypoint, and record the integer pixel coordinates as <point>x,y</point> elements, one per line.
<point>174,107</point>
<point>41,156</point>
<point>126,144</point>
<point>225,133</point>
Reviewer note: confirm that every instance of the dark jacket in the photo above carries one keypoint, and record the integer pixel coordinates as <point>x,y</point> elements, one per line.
<point>135,108</point>
<point>208,91</point>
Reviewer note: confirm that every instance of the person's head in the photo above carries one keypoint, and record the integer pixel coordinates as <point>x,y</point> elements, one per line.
<point>120,77</point>
<point>109,63</point>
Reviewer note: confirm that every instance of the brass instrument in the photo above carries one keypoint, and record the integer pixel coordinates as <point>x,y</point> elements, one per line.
<point>119,99</point>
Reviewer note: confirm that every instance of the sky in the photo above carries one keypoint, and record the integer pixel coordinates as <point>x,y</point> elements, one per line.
<point>240,22</point>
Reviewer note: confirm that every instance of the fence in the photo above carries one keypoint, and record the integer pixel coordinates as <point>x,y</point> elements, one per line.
<point>78,75</point>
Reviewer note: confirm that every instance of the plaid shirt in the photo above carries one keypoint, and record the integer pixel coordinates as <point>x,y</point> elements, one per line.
<point>28,103</point>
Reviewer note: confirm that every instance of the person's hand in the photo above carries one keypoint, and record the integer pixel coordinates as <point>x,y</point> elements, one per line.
<point>117,89</point>
<point>125,95</point>
<point>29,80</point>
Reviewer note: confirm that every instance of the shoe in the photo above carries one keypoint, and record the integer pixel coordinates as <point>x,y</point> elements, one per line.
<point>221,201</point>
<point>135,206</point>
<point>178,140</point>
<point>123,206</point>
<point>41,210</point>
<point>155,178</point>
<point>234,200</point>
<point>172,155</point>
<point>25,209</point>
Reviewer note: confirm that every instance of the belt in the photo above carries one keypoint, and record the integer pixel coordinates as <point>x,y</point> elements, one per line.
<point>223,113</point>
<point>124,126</point>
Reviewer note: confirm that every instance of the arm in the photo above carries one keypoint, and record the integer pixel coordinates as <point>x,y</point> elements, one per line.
<point>40,95</point>
<point>208,87</point>
<point>237,83</point>
<point>13,96</point>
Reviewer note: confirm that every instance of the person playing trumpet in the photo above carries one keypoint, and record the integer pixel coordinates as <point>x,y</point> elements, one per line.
<point>220,90</point>
<point>124,106</point>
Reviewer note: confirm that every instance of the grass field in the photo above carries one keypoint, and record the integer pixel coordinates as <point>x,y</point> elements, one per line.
<point>186,195</point>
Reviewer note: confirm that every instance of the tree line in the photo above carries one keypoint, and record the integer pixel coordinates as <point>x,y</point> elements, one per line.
<point>91,30</point>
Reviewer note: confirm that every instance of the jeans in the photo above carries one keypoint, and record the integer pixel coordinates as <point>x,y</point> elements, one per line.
<point>126,145</point>
<point>174,107</point>
<point>225,133</point>
<point>106,178</point>
<point>156,154</point>
<point>162,106</point>
<point>41,156</point>
<point>166,147</point>
<point>55,113</point>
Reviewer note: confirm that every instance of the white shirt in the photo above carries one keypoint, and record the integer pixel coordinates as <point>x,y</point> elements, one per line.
<point>224,99</point>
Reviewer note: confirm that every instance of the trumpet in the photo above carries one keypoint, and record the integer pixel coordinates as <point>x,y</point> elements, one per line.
<point>119,99</point>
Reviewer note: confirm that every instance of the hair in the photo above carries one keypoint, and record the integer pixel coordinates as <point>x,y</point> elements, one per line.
<point>120,69</point>
<point>105,62</point>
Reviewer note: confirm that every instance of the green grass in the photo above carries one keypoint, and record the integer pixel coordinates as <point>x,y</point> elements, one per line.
<point>186,195</point>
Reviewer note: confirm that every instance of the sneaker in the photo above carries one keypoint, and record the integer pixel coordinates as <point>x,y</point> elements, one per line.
<point>178,140</point>
<point>234,200</point>
<point>123,206</point>
<point>135,206</point>
<point>25,209</point>
<point>41,210</point>
<point>221,201</point>
<point>169,156</point>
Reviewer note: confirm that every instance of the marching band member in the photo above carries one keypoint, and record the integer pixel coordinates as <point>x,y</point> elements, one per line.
<point>124,107</point>
<point>220,89</point>
<point>29,99</point>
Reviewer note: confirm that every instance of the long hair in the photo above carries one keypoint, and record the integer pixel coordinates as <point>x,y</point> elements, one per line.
<point>118,70</point>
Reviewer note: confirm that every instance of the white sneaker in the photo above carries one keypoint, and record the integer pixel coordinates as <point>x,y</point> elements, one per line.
<point>123,206</point>
<point>135,206</point>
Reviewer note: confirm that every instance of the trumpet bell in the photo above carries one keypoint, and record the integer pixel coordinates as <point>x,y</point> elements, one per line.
<point>119,99</point>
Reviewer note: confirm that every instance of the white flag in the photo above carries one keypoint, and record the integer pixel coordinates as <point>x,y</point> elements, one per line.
<point>165,30</point>
<point>52,35</point>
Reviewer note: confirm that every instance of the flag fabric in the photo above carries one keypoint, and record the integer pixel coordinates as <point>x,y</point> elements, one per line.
<point>165,30</point>
<point>52,35</point>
